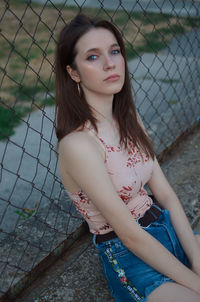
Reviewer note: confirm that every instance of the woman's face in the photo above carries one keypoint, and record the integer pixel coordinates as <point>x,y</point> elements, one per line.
<point>100,64</point>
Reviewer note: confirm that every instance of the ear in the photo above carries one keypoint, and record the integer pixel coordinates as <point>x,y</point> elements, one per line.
<point>73,74</point>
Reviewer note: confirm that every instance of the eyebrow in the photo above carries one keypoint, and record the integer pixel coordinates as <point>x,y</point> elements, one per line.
<point>96,49</point>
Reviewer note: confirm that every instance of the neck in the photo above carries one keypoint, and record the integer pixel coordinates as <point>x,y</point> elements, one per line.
<point>102,107</point>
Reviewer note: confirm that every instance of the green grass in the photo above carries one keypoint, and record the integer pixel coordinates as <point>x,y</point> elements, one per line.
<point>4,48</point>
<point>121,20</point>
<point>150,18</point>
<point>48,101</point>
<point>145,18</point>
<point>14,66</point>
<point>49,51</point>
<point>193,22</point>
<point>152,44</point>
<point>23,51</point>
<point>130,51</point>
<point>9,119</point>
<point>27,212</point>
<point>73,8</point>
<point>174,29</point>
<point>24,93</point>
<point>173,102</point>
<point>27,93</point>
<point>22,3</point>
<point>154,41</point>
<point>144,78</point>
<point>16,77</point>
<point>18,2</point>
<point>169,81</point>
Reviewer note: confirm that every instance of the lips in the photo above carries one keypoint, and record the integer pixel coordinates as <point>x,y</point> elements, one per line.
<point>112,78</point>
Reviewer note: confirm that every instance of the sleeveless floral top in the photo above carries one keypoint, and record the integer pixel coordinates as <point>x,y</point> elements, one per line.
<point>129,172</point>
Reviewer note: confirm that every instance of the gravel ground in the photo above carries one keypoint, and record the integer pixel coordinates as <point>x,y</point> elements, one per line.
<point>182,170</point>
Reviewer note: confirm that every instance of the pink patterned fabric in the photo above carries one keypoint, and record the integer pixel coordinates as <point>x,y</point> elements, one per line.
<point>129,172</point>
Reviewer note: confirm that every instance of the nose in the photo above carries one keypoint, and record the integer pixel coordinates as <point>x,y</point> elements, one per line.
<point>108,62</point>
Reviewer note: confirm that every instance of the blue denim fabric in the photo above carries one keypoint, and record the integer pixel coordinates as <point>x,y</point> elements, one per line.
<point>118,262</point>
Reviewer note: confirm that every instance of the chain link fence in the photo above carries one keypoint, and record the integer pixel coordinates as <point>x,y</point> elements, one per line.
<point>37,219</point>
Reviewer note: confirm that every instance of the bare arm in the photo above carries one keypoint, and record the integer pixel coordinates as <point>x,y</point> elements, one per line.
<point>169,200</point>
<point>164,193</point>
<point>82,160</point>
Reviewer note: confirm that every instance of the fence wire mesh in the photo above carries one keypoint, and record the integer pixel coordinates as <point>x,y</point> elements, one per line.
<point>162,42</point>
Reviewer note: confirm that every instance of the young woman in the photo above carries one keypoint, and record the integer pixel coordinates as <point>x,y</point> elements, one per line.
<point>148,250</point>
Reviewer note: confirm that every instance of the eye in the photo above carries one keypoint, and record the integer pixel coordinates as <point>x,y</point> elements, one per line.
<point>115,51</point>
<point>92,58</point>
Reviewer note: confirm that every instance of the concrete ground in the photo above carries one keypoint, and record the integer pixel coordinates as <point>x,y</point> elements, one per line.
<point>77,276</point>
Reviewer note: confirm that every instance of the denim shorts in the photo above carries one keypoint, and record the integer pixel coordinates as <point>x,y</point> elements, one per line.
<point>129,278</point>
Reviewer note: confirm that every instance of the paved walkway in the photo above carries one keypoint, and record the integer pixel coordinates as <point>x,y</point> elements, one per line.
<point>78,275</point>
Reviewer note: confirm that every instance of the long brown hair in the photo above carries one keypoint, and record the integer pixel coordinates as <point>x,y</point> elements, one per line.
<point>72,110</point>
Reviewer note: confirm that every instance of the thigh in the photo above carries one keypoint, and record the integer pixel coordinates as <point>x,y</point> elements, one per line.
<point>128,277</point>
<point>171,292</point>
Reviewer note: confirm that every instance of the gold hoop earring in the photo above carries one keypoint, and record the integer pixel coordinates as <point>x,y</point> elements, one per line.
<point>79,89</point>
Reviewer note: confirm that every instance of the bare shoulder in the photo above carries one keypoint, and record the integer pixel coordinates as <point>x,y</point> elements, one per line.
<point>78,145</point>
<point>71,149</point>
<point>74,140</point>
